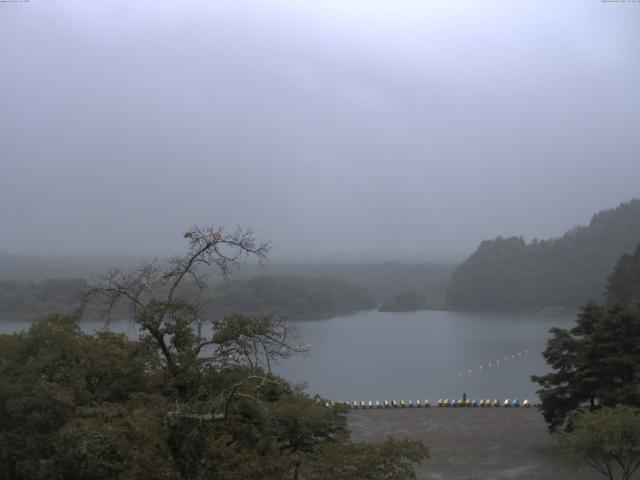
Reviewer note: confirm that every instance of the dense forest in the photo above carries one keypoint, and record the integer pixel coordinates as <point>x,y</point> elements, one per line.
<point>381,279</point>
<point>565,271</point>
<point>31,287</point>
<point>177,403</point>
<point>623,287</point>
<point>30,301</point>
<point>294,297</point>
<point>408,301</point>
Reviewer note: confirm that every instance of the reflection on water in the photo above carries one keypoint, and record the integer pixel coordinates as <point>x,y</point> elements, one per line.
<point>381,355</point>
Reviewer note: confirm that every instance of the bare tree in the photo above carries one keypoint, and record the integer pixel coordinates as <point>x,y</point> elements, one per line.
<point>154,294</point>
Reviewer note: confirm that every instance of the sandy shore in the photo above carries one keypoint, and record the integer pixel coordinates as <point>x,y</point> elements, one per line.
<point>472,443</point>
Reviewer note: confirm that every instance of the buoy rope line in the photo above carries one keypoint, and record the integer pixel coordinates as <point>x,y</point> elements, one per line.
<point>500,362</point>
<point>453,403</point>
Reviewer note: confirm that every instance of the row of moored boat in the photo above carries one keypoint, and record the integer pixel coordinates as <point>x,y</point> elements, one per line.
<point>508,403</point>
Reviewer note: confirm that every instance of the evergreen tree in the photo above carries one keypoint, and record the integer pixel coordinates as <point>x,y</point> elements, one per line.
<point>597,362</point>
<point>565,271</point>
<point>624,283</point>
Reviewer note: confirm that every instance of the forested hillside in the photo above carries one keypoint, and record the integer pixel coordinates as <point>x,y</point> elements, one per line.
<point>624,283</point>
<point>568,271</point>
<point>383,280</point>
<point>408,301</point>
<point>295,297</point>
<point>35,300</point>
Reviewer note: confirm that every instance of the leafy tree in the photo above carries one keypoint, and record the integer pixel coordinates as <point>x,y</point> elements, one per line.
<point>607,440</point>
<point>596,363</point>
<point>191,399</point>
<point>53,379</point>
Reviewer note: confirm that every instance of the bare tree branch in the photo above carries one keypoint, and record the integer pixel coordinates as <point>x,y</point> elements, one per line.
<point>155,295</point>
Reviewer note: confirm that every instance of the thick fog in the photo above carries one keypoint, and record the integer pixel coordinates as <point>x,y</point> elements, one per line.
<point>386,129</point>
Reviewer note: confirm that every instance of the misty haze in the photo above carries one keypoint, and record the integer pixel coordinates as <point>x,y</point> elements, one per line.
<point>319,240</point>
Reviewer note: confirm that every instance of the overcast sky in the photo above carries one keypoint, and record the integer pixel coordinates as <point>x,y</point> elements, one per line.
<point>338,129</point>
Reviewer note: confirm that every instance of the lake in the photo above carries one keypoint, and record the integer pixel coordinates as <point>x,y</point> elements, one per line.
<point>428,354</point>
<point>415,355</point>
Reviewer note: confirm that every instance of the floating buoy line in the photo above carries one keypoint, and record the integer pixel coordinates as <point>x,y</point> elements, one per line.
<point>507,359</point>
<point>453,403</point>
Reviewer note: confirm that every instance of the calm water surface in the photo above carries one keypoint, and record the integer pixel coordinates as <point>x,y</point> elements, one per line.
<point>380,355</point>
<point>428,354</point>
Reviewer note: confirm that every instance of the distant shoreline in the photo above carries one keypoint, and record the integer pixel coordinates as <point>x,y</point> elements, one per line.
<point>542,311</point>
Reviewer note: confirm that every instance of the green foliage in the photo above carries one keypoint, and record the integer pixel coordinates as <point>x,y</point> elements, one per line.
<point>31,301</point>
<point>107,441</point>
<point>607,440</point>
<point>295,297</point>
<point>408,301</point>
<point>596,363</point>
<point>78,406</point>
<point>566,271</point>
<point>51,378</point>
<point>190,399</point>
<point>624,283</point>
